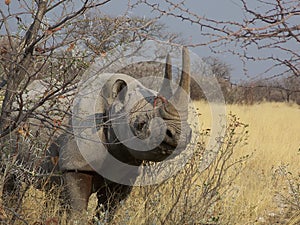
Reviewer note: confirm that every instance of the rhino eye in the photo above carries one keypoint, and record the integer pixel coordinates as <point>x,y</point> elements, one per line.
<point>140,125</point>
<point>169,133</point>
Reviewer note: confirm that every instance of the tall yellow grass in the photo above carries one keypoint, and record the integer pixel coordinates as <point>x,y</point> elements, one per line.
<point>274,131</point>
<point>274,140</point>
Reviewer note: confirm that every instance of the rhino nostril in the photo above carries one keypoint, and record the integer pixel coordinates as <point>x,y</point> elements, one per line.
<point>169,133</point>
<point>190,135</point>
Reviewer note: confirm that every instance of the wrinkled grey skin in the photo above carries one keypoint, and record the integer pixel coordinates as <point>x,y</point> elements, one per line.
<point>118,97</point>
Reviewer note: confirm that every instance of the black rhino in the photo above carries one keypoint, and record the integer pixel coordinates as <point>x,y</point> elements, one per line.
<point>119,97</point>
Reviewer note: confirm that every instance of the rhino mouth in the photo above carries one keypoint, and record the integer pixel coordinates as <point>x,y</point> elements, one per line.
<point>167,152</point>
<point>164,151</point>
<point>160,153</point>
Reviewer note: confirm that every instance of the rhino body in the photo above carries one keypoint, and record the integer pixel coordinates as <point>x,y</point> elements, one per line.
<point>118,97</point>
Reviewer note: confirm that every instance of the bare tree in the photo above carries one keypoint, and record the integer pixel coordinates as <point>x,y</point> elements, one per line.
<point>219,68</point>
<point>270,26</point>
<point>35,44</point>
<point>100,34</point>
<point>291,86</point>
<point>282,89</point>
<point>29,49</point>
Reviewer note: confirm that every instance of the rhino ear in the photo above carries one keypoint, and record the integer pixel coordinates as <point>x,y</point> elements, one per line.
<point>119,90</point>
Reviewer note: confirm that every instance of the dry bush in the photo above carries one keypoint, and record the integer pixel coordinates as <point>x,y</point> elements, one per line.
<point>288,196</point>
<point>192,196</point>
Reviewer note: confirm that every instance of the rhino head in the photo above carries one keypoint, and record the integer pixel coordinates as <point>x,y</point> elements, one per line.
<point>150,125</point>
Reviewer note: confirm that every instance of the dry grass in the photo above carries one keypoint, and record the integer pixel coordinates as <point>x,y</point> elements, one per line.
<point>274,139</point>
<point>252,198</point>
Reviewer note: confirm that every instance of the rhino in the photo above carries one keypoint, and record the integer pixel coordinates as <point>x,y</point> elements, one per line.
<point>118,97</point>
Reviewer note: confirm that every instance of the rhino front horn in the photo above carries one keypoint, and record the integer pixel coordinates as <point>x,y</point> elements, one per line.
<point>184,82</point>
<point>182,93</point>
